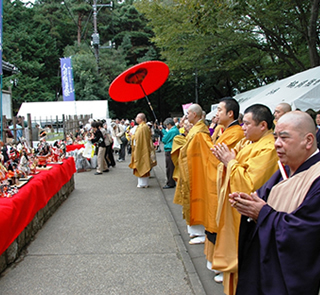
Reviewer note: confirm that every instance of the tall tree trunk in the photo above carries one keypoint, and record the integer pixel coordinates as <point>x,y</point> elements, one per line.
<point>79,28</point>
<point>312,34</point>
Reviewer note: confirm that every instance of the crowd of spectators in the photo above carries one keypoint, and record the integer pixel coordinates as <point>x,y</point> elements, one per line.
<point>216,167</point>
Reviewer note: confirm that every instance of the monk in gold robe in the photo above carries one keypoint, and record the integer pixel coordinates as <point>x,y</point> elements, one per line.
<point>206,205</point>
<point>178,142</point>
<point>191,158</point>
<point>245,168</point>
<point>142,151</point>
<point>217,132</point>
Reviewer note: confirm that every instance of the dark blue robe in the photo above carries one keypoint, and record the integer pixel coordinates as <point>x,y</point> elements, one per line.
<point>280,254</point>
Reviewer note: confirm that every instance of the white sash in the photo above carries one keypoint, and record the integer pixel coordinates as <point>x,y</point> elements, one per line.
<point>288,194</point>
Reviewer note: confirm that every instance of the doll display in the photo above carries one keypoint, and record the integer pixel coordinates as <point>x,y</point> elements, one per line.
<point>44,150</point>
<point>24,164</point>
<point>6,178</point>
<point>19,162</point>
<point>57,152</point>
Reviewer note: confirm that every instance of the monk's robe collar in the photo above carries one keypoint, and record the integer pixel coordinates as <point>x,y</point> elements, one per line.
<point>277,177</point>
<point>264,135</point>
<point>314,158</point>
<point>234,123</point>
<point>200,126</point>
<point>316,152</point>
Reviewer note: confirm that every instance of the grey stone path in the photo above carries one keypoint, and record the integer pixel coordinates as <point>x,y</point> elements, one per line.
<point>109,237</point>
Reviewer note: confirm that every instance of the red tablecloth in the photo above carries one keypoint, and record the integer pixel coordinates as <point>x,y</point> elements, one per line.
<point>17,212</point>
<point>72,147</point>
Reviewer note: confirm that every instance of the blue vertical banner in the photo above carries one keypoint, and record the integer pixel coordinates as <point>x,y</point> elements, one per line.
<point>67,79</point>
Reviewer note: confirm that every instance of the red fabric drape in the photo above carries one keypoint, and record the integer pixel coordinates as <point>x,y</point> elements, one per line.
<point>72,147</point>
<point>17,212</point>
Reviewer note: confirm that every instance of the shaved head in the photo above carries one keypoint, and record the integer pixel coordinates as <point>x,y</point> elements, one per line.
<point>281,109</point>
<point>196,109</point>
<point>295,139</point>
<point>285,107</point>
<point>140,118</point>
<point>194,113</point>
<point>301,121</point>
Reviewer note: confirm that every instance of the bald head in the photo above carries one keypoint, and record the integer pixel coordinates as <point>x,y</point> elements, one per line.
<point>300,121</point>
<point>194,113</point>
<point>141,117</point>
<point>295,139</point>
<point>285,107</point>
<point>281,109</point>
<point>196,109</point>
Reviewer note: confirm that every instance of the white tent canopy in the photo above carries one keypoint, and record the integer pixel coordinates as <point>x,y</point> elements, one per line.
<point>300,91</point>
<point>41,111</point>
<point>213,112</point>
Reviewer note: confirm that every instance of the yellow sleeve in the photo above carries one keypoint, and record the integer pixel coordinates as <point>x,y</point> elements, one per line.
<point>254,172</point>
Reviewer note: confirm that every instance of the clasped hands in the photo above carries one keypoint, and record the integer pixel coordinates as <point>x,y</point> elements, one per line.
<point>223,154</point>
<point>248,205</point>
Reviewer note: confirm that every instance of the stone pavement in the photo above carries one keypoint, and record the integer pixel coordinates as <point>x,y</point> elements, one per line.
<point>109,237</point>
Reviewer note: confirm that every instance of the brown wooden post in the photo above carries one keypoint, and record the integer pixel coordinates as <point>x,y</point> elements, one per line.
<point>23,129</point>
<point>4,129</point>
<point>68,125</point>
<point>57,122</point>
<point>30,130</point>
<point>14,122</point>
<point>75,124</point>
<point>64,127</point>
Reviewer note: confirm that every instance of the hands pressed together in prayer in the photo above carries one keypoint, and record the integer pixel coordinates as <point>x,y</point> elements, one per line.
<point>248,205</point>
<point>223,154</point>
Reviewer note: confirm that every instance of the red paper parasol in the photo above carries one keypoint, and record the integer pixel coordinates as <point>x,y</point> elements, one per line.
<point>139,81</point>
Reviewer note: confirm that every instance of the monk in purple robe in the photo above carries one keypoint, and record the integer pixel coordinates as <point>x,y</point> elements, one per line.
<point>279,240</point>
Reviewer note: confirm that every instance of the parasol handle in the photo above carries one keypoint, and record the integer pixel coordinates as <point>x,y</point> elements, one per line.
<point>149,103</point>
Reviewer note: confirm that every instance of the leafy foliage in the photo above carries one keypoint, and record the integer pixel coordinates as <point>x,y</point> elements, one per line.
<point>213,48</point>
<point>233,45</point>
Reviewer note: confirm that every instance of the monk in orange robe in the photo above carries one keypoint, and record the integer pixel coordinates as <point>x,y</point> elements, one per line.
<point>142,154</point>
<point>245,169</point>
<point>227,115</point>
<point>192,158</point>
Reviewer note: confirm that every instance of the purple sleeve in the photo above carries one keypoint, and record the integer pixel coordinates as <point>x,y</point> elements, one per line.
<point>290,245</point>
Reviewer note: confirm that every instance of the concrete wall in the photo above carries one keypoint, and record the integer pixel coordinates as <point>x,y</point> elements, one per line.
<point>14,250</point>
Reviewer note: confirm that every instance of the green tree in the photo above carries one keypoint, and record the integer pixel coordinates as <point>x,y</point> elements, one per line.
<point>88,84</point>
<point>130,30</point>
<point>28,45</point>
<point>56,17</point>
<point>35,37</point>
<point>234,45</point>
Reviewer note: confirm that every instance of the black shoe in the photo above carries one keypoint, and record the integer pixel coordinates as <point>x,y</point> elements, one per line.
<point>107,170</point>
<point>98,173</point>
<point>168,186</point>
